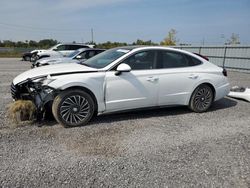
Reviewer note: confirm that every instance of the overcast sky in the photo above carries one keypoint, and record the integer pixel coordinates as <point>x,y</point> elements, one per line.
<point>211,21</point>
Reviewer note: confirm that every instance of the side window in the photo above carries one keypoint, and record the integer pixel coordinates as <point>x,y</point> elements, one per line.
<point>72,47</point>
<point>140,61</point>
<point>193,61</point>
<point>98,51</point>
<point>83,55</point>
<point>60,48</point>
<point>91,54</point>
<point>168,59</point>
<point>82,46</point>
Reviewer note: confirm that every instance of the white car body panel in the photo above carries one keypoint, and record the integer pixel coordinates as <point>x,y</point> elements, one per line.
<point>52,61</point>
<point>44,50</point>
<point>93,81</point>
<point>53,53</point>
<point>38,51</point>
<point>130,90</point>
<point>241,95</point>
<point>48,70</point>
<point>61,53</point>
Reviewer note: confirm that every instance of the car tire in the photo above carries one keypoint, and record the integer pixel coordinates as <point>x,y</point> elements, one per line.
<point>201,99</point>
<point>26,58</point>
<point>33,57</point>
<point>73,108</point>
<point>48,115</point>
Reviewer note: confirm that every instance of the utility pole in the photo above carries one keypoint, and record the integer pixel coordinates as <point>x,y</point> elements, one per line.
<point>203,41</point>
<point>92,35</point>
<point>222,36</point>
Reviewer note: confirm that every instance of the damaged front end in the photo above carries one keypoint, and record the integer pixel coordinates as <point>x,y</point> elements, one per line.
<point>36,90</point>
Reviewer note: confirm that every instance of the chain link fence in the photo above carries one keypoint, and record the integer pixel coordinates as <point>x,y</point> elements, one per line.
<point>234,57</point>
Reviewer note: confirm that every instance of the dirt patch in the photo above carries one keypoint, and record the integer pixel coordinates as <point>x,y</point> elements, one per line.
<point>102,142</point>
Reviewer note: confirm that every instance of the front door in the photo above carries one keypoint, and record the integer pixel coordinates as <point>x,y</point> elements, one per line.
<point>135,89</point>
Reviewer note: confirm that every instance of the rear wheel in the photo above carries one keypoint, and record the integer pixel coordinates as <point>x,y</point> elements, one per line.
<point>201,98</point>
<point>73,108</point>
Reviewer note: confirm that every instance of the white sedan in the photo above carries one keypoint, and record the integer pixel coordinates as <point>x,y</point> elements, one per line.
<point>77,56</point>
<point>120,79</point>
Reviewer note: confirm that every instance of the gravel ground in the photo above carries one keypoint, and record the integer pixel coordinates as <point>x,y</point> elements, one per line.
<point>170,147</point>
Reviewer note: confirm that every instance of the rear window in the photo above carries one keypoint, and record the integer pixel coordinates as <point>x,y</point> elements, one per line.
<point>194,61</point>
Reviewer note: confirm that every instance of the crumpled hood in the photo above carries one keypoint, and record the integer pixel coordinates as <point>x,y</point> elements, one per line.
<point>52,69</point>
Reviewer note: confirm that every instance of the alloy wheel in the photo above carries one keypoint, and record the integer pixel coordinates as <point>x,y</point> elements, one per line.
<point>74,109</point>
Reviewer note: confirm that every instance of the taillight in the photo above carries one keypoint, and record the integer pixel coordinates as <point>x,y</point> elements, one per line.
<point>224,72</point>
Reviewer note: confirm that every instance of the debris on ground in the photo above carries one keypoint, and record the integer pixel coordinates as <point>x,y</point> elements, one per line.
<point>240,93</point>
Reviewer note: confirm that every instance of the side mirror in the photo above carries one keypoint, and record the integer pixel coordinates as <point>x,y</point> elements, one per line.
<point>78,57</point>
<point>122,68</point>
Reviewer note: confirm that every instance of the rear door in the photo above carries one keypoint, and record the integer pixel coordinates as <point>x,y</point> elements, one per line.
<point>177,77</point>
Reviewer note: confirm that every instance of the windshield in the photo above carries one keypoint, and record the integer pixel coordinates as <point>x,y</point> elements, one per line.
<point>105,58</point>
<point>71,55</point>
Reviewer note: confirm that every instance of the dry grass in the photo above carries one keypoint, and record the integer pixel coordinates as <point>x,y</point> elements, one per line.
<point>10,54</point>
<point>21,111</point>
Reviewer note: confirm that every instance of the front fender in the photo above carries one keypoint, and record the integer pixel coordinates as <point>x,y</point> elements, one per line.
<point>95,85</point>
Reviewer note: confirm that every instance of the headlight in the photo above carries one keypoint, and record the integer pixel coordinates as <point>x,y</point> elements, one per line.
<point>44,80</point>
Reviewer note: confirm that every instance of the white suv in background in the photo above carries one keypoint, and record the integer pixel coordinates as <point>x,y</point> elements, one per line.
<point>59,50</point>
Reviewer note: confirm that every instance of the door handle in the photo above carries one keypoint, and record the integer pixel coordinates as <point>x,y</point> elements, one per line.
<point>152,79</point>
<point>193,76</point>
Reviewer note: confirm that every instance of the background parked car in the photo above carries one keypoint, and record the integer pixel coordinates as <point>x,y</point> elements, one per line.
<point>58,50</point>
<point>77,56</point>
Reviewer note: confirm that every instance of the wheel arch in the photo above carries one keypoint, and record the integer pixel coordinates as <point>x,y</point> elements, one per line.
<point>197,85</point>
<point>87,90</point>
<point>212,87</point>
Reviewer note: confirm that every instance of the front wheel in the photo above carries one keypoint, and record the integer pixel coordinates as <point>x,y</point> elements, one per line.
<point>26,58</point>
<point>73,108</point>
<point>201,98</point>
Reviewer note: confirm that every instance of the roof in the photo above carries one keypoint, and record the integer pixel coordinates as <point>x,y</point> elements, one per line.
<point>88,49</point>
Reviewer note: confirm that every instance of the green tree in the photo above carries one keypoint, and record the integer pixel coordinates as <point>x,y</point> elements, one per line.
<point>33,43</point>
<point>8,43</point>
<point>108,45</point>
<point>170,39</point>
<point>20,44</point>
<point>46,43</point>
<point>147,43</point>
